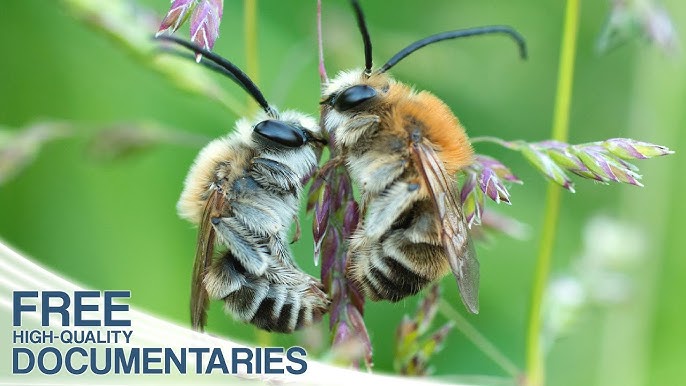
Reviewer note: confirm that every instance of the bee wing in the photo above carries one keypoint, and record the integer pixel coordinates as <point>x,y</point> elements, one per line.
<point>454,235</point>
<point>203,258</point>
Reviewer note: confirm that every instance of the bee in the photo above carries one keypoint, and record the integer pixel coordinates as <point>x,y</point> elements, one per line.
<point>402,148</point>
<point>243,192</point>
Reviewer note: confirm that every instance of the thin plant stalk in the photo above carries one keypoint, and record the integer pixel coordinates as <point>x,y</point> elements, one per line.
<point>479,340</point>
<point>264,338</point>
<point>535,361</point>
<point>320,45</point>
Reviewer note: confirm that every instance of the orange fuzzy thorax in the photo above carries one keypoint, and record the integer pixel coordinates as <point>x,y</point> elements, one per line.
<point>440,127</point>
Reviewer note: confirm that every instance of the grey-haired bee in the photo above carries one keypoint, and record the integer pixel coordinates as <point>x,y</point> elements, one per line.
<point>243,191</point>
<point>402,148</point>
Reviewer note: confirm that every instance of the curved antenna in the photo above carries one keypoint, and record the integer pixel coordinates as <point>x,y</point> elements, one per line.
<point>362,25</point>
<point>462,33</point>
<point>227,68</point>
<point>203,61</point>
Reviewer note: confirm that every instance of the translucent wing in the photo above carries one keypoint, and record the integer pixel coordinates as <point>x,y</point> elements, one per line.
<point>454,235</point>
<point>203,258</point>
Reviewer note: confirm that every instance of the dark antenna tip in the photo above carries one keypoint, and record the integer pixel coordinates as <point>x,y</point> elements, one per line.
<point>362,25</point>
<point>225,67</point>
<point>462,33</point>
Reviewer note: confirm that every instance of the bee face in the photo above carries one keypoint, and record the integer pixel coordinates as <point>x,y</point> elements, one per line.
<point>291,131</point>
<point>352,91</point>
<point>353,97</point>
<point>354,94</point>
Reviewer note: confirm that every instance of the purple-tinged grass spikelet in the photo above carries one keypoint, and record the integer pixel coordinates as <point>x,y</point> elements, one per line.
<point>627,149</point>
<point>491,185</point>
<point>485,176</point>
<point>322,209</point>
<point>566,159</point>
<point>603,161</point>
<point>336,216</point>
<point>352,217</point>
<point>205,22</point>
<point>539,158</point>
<point>472,198</point>
<point>205,17</point>
<point>178,14</point>
<point>498,167</point>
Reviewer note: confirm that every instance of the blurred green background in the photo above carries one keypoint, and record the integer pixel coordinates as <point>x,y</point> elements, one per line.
<point>113,225</point>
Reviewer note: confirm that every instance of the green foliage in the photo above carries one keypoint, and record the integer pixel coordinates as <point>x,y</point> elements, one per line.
<point>114,225</point>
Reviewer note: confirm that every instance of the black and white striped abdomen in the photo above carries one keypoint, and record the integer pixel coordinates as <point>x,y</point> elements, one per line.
<point>405,259</point>
<point>294,301</point>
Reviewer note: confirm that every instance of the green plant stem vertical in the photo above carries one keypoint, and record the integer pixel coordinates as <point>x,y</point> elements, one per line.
<point>320,45</point>
<point>535,356</point>
<point>264,338</point>
<point>250,33</point>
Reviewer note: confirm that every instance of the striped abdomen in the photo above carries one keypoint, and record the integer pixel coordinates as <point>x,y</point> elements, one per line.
<point>404,260</point>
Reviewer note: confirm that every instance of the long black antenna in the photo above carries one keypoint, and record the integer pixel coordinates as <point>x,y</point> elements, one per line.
<point>203,61</point>
<point>227,68</point>
<point>462,33</point>
<point>362,24</point>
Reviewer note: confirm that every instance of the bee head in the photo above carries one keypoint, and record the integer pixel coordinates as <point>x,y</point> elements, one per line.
<point>290,131</point>
<point>349,92</point>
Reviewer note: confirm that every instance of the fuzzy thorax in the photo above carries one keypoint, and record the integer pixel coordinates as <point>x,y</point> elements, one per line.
<point>395,106</point>
<point>226,158</point>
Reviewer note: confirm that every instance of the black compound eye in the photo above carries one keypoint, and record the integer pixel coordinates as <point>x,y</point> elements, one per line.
<point>279,133</point>
<point>353,97</point>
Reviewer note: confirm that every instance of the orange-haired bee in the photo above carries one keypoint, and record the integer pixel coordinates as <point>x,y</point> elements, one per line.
<point>243,191</point>
<point>402,148</point>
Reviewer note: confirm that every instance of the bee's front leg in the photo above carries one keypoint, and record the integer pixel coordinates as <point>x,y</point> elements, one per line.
<point>298,231</point>
<point>349,133</point>
<point>251,253</point>
<point>384,210</point>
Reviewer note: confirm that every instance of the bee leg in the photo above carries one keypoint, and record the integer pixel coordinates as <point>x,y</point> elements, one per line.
<point>268,172</point>
<point>222,278</point>
<point>330,164</point>
<point>249,249</point>
<point>363,122</point>
<point>355,128</point>
<point>298,231</point>
<point>385,209</point>
<point>376,171</point>
<point>287,308</point>
<point>256,217</point>
<point>245,302</point>
<point>270,308</point>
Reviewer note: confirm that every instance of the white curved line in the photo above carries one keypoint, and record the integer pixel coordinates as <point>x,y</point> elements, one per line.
<point>18,272</point>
